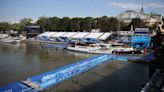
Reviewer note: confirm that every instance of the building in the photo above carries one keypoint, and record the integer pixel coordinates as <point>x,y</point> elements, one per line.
<point>125,33</point>
<point>141,32</point>
<point>32,31</point>
<point>147,18</point>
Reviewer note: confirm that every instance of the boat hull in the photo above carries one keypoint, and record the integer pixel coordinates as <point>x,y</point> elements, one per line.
<point>89,50</point>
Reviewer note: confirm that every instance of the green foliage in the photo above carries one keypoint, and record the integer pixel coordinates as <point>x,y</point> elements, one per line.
<point>75,24</point>
<point>42,22</point>
<point>16,27</point>
<point>108,24</point>
<point>137,22</point>
<point>4,26</point>
<point>64,23</point>
<point>53,23</point>
<point>25,21</point>
<point>113,24</point>
<point>86,24</point>
<point>124,26</point>
<point>105,24</point>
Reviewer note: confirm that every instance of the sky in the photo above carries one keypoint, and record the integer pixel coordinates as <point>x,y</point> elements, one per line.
<point>14,10</point>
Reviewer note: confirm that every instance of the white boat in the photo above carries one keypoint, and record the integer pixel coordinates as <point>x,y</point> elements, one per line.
<point>8,40</point>
<point>12,39</point>
<point>3,36</point>
<point>90,48</point>
<point>97,48</point>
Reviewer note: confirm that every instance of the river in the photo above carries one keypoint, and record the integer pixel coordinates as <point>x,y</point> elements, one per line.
<point>23,60</point>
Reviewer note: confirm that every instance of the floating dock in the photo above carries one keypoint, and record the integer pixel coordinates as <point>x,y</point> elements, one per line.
<point>49,79</point>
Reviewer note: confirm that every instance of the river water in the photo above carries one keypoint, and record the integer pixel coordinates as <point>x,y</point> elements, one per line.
<point>23,60</point>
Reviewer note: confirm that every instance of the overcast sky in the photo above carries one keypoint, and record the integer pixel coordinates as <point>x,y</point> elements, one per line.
<point>14,10</point>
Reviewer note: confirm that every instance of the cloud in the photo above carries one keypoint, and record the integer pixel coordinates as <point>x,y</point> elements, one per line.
<point>136,6</point>
<point>154,5</point>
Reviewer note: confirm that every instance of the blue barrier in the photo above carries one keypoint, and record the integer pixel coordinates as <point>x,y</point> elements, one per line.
<point>17,87</point>
<point>149,57</point>
<point>54,77</point>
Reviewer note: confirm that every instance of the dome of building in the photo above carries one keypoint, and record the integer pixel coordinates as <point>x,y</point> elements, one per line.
<point>128,15</point>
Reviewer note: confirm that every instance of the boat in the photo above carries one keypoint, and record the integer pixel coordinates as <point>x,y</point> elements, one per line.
<point>10,39</point>
<point>98,48</point>
<point>90,48</point>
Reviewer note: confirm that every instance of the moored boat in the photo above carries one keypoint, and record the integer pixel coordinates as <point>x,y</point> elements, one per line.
<point>98,48</point>
<point>90,48</point>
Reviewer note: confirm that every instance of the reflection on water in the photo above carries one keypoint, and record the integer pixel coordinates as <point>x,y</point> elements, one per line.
<point>19,61</point>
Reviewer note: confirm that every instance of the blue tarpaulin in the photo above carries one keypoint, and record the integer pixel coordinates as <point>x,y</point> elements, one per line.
<point>141,41</point>
<point>15,87</point>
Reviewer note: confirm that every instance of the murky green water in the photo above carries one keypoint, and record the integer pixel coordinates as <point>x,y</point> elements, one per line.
<point>20,61</point>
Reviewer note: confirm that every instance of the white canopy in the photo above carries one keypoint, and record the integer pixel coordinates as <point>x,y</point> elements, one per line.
<point>94,35</point>
<point>105,36</point>
<point>49,34</point>
<point>101,35</point>
<point>43,34</point>
<point>58,34</point>
<point>69,34</point>
<point>80,35</point>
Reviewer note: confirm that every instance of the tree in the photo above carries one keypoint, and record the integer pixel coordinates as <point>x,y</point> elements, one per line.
<point>4,26</point>
<point>26,21</point>
<point>123,26</point>
<point>102,23</point>
<point>75,24</point>
<point>86,24</point>
<point>53,23</point>
<point>43,22</point>
<point>114,24</point>
<point>16,27</point>
<point>137,22</point>
<point>64,23</point>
